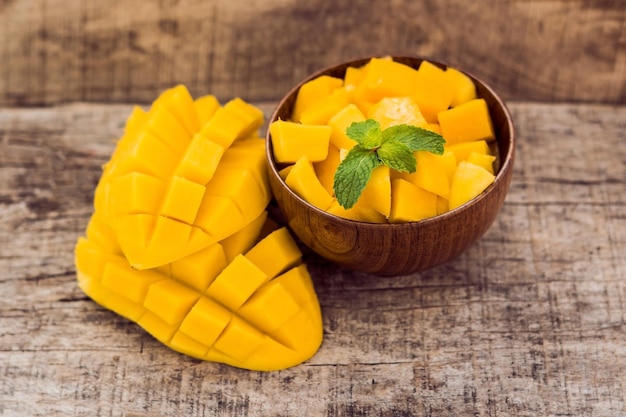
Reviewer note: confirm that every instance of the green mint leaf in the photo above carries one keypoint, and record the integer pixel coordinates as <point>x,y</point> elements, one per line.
<point>397,155</point>
<point>366,133</point>
<point>415,138</point>
<point>352,175</point>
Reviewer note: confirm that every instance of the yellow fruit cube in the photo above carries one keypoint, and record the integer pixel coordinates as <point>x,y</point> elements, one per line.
<point>169,300</point>
<point>377,192</point>
<point>242,240</point>
<point>433,92</point>
<point>432,172</point>
<point>276,253</point>
<point>322,110</point>
<point>179,102</point>
<point>462,150</point>
<point>199,269</point>
<point>468,182</point>
<point>391,111</point>
<point>236,120</point>
<point>410,203</point>
<point>200,160</point>
<point>340,122</point>
<point>303,181</point>
<point>182,199</point>
<point>312,91</point>
<point>468,122</point>
<point>481,159</point>
<point>291,141</point>
<point>325,170</point>
<point>387,78</point>
<point>206,320</point>
<point>206,106</point>
<point>236,283</point>
<point>135,193</point>
<point>463,87</point>
<point>359,212</point>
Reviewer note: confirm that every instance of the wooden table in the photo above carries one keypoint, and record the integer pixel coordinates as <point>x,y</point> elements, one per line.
<point>530,321</point>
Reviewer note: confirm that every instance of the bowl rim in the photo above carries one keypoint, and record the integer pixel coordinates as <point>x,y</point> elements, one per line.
<point>505,166</point>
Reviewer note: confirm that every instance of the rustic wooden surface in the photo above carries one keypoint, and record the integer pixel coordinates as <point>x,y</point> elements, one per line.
<point>54,51</point>
<point>530,321</point>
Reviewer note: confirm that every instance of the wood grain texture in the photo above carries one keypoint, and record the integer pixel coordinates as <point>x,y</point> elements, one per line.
<point>530,321</point>
<point>56,51</point>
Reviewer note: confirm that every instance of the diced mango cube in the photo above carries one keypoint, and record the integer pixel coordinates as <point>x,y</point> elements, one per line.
<point>463,87</point>
<point>433,93</point>
<point>244,239</point>
<point>236,283</point>
<point>164,125</point>
<point>468,182</point>
<point>178,101</point>
<point>322,110</point>
<point>312,91</point>
<point>276,253</point>
<point>462,150</point>
<point>206,106</point>
<point>200,160</point>
<point>410,203</point>
<point>303,181</point>
<point>239,339</point>
<point>120,279</point>
<point>325,170</point>
<point>359,212</point>
<point>199,269</point>
<point>388,78</point>
<point>481,159</point>
<point>169,300</point>
<point>182,199</point>
<point>291,141</point>
<point>135,193</point>
<point>340,122</point>
<point>270,307</point>
<point>377,192</point>
<point>432,172</point>
<point>206,321</point>
<point>467,122</point>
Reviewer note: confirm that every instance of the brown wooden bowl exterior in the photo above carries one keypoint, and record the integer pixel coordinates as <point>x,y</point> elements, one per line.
<point>396,249</point>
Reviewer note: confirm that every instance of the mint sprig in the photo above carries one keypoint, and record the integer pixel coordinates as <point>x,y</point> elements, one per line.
<point>394,147</point>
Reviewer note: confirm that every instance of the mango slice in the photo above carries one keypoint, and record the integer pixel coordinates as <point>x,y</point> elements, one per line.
<point>257,312</point>
<point>467,122</point>
<point>313,91</point>
<point>433,92</point>
<point>166,193</point>
<point>303,181</point>
<point>469,180</point>
<point>340,121</point>
<point>411,203</point>
<point>180,241</point>
<point>391,111</point>
<point>291,141</point>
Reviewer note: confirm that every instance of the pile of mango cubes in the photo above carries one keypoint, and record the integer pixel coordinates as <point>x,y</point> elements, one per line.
<point>180,241</point>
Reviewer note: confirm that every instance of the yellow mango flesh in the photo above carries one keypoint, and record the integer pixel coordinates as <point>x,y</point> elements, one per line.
<point>440,100</point>
<point>377,191</point>
<point>313,91</point>
<point>325,170</point>
<point>468,182</point>
<point>291,141</point>
<point>391,111</point>
<point>180,241</point>
<point>304,182</point>
<point>322,110</point>
<point>340,121</point>
<point>246,315</point>
<point>166,201</point>
<point>433,93</point>
<point>468,122</point>
<point>411,203</point>
<point>463,87</point>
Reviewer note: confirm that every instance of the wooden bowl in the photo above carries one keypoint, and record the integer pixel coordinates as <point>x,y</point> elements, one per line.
<point>396,249</point>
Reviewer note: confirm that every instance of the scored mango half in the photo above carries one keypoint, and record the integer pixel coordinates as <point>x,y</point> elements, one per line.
<point>180,241</point>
